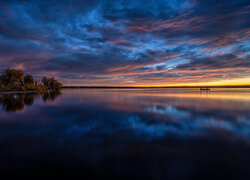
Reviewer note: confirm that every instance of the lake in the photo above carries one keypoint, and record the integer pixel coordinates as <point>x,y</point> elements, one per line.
<point>127,134</point>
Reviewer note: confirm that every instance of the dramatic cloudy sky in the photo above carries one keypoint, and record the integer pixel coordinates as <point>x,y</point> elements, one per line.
<point>127,42</point>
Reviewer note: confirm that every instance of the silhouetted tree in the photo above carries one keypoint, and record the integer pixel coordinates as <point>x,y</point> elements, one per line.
<point>51,83</point>
<point>28,79</point>
<point>12,78</point>
<point>54,84</point>
<point>45,81</point>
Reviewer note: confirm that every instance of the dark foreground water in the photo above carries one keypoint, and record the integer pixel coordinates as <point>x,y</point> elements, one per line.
<point>127,134</point>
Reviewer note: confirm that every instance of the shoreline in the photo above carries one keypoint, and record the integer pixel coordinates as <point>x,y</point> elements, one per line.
<point>153,87</point>
<point>106,87</point>
<point>22,92</point>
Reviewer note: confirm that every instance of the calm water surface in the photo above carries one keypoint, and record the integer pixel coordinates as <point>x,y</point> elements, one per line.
<point>127,134</point>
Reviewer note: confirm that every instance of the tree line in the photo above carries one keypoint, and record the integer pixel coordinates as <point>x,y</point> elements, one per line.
<point>12,79</point>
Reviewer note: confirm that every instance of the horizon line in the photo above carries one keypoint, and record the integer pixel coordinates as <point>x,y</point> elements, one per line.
<point>174,86</point>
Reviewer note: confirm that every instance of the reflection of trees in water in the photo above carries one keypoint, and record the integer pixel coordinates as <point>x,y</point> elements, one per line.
<point>17,102</point>
<point>12,103</point>
<point>51,96</point>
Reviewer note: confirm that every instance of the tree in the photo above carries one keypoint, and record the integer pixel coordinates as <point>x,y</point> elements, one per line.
<point>1,83</point>
<point>54,84</point>
<point>12,77</point>
<point>28,79</point>
<point>45,81</point>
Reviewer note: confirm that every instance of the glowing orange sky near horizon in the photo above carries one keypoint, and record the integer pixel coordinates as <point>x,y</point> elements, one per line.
<point>232,82</point>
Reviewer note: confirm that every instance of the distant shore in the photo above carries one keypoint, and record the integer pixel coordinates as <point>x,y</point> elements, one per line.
<point>136,87</point>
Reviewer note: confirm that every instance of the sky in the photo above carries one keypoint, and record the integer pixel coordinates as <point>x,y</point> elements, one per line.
<point>128,42</point>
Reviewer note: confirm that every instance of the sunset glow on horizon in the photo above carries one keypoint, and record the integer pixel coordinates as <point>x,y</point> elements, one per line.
<point>128,43</point>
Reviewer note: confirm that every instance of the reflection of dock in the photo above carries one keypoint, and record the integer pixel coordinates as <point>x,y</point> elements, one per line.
<point>205,89</point>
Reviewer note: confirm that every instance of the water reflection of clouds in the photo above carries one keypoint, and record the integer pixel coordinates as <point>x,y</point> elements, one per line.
<point>206,123</point>
<point>168,110</point>
<point>128,134</point>
<point>91,115</point>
